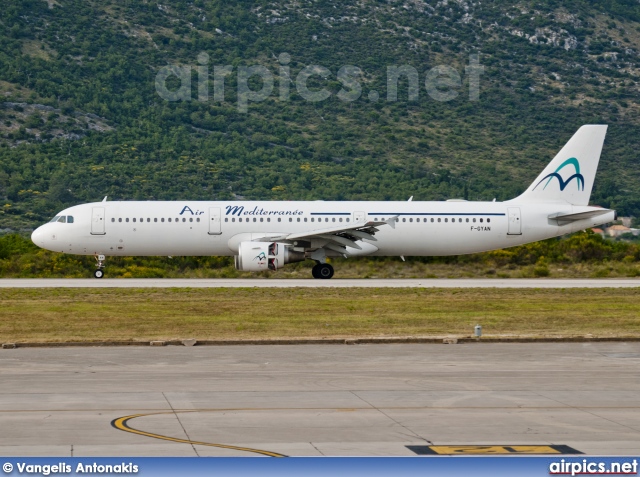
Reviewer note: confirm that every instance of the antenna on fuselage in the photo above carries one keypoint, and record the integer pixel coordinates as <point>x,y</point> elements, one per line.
<point>410,199</point>
<point>105,199</point>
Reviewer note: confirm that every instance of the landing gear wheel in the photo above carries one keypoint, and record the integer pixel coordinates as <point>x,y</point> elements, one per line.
<point>314,271</point>
<point>99,273</point>
<point>325,271</point>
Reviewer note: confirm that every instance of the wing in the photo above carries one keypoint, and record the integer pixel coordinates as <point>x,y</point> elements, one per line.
<point>336,239</point>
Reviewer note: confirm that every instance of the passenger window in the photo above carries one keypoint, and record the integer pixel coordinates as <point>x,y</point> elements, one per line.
<point>474,221</point>
<point>261,219</point>
<point>480,220</point>
<point>305,219</point>
<point>298,219</point>
<point>347,220</point>
<point>313,219</point>
<point>255,220</point>
<point>439,219</point>
<point>404,220</point>
<point>333,219</point>
<point>177,220</point>
<point>446,220</point>
<point>431,219</point>
<point>155,219</point>
<point>113,219</point>
<point>411,220</point>
<point>279,219</point>
<point>162,219</point>
<point>120,220</point>
<point>226,219</point>
<point>268,219</point>
<point>459,220</point>
<point>127,219</point>
<point>169,219</point>
<point>198,219</point>
<point>488,220</point>
<point>134,219</point>
<point>467,219</point>
<point>233,219</point>
<point>141,220</point>
<point>290,219</point>
<point>184,219</point>
<point>326,219</point>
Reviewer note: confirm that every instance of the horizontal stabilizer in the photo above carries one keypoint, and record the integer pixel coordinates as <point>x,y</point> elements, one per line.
<point>563,219</point>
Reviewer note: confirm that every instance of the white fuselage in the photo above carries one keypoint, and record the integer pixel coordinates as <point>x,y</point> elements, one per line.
<point>218,227</point>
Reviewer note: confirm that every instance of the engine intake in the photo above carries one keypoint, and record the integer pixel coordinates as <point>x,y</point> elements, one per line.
<point>259,256</point>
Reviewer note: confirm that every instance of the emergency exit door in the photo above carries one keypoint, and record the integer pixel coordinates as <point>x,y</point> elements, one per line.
<point>359,217</point>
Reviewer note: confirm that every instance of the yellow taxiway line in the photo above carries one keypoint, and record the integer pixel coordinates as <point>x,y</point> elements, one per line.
<point>122,423</point>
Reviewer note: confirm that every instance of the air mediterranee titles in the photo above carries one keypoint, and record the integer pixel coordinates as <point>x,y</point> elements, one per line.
<point>238,211</point>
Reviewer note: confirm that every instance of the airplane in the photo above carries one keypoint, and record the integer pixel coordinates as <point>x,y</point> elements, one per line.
<point>266,235</point>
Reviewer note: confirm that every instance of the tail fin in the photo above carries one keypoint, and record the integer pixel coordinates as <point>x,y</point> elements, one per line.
<point>569,177</point>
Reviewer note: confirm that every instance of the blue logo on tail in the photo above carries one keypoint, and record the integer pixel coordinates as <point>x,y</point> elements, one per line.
<point>563,184</point>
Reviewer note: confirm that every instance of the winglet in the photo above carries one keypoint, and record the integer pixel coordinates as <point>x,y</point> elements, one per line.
<point>392,221</point>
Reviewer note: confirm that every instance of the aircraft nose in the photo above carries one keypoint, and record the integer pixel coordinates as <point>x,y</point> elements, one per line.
<point>37,237</point>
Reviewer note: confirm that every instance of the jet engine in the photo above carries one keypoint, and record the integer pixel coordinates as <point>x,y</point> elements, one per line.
<point>259,256</point>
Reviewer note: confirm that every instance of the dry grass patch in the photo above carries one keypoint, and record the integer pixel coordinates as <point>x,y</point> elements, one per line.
<point>55,315</point>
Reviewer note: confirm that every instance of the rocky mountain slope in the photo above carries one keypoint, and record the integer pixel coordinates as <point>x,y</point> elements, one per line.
<point>81,116</point>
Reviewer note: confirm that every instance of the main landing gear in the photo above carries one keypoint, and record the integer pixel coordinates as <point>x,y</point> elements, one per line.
<point>99,273</point>
<point>322,270</point>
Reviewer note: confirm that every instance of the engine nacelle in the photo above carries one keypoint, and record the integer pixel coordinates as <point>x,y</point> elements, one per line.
<point>259,256</point>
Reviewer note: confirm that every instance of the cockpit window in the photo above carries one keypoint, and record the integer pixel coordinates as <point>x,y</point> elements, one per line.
<point>63,219</point>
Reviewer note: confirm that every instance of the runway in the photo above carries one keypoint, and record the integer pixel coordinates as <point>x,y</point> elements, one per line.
<point>311,283</point>
<point>361,400</point>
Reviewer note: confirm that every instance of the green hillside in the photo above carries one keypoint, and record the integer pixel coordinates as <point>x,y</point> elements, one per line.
<point>80,117</point>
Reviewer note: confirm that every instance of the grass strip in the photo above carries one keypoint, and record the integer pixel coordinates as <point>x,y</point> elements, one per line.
<point>58,315</point>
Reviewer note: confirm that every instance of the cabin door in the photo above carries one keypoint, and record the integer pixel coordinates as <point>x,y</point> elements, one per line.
<point>97,221</point>
<point>515,224</point>
<point>214,221</point>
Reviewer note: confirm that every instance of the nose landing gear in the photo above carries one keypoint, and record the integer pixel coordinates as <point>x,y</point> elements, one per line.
<point>99,273</point>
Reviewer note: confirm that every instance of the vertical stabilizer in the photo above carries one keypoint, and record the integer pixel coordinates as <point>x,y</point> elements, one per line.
<point>569,177</point>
